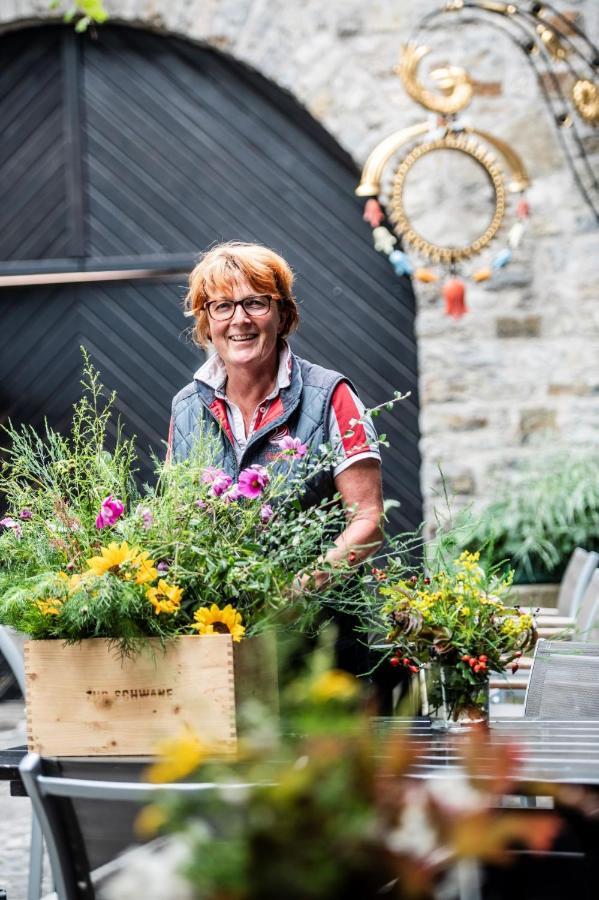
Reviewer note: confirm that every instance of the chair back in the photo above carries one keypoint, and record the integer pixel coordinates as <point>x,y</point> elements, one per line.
<point>564,681</point>
<point>575,579</point>
<point>53,796</point>
<point>587,624</point>
<point>11,647</point>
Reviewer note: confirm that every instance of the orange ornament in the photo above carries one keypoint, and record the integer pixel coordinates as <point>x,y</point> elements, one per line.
<point>454,293</point>
<point>425,275</point>
<point>482,274</point>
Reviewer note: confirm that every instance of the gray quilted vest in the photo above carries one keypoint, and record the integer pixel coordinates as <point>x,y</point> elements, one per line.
<point>305,414</point>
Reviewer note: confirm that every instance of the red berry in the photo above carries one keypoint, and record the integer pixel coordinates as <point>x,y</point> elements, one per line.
<point>477,668</point>
<point>518,654</point>
<point>394,661</point>
<point>515,668</point>
<point>465,658</point>
<point>427,581</point>
<point>406,661</point>
<point>352,557</point>
<point>472,661</point>
<point>483,658</point>
<point>413,669</point>
<point>413,579</point>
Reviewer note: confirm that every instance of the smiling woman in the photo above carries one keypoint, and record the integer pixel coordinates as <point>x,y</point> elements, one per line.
<point>259,398</point>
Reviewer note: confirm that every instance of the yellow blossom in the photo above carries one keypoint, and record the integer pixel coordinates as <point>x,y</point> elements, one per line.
<point>180,757</point>
<point>50,607</point>
<point>112,558</point>
<point>219,621</point>
<point>150,821</point>
<point>166,598</point>
<point>334,685</point>
<point>146,571</point>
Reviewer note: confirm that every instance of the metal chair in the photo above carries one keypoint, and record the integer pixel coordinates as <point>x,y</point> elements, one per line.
<point>68,846</point>
<point>11,646</point>
<point>575,580</point>
<point>564,681</point>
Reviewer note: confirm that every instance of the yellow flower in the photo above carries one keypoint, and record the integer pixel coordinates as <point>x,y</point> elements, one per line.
<point>76,580</point>
<point>112,558</point>
<point>180,757</point>
<point>146,571</point>
<point>50,607</point>
<point>150,821</point>
<point>334,685</point>
<point>465,610</point>
<point>219,621</point>
<point>166,598</point>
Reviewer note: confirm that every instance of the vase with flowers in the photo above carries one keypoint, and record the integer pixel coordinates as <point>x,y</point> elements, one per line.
<point>452,627</point>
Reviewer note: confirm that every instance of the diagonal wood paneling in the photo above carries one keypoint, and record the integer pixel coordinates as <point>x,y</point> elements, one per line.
<point>182,147</point>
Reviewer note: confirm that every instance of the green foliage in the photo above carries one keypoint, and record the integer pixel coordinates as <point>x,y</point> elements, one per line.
<point>534,524</point>
<point>84,13</point>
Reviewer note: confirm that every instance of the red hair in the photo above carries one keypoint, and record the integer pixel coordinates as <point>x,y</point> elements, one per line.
<point>220,268</point>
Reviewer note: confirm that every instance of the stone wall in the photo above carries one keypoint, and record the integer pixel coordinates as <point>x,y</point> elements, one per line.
<point>520,374</point>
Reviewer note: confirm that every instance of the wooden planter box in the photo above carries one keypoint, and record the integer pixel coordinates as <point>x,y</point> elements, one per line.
<point>86,699</point>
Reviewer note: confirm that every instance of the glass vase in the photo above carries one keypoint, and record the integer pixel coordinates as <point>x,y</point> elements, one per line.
<point>452,703</point>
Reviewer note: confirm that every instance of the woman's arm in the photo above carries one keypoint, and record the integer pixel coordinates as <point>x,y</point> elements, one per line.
<point>362,496</point>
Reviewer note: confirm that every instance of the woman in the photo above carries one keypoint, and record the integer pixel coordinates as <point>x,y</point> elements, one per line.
<point>254,393</point>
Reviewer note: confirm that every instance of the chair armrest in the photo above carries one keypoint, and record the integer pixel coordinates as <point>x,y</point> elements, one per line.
<point>508,684</point>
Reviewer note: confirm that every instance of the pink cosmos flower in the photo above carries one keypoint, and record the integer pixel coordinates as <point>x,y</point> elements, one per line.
<point>292,446</point>
<point>111,510</point>
<point>233,494</point>
<point>12,524</point>
<point>146,516</point>
<point>221,483</point>
<point>266,513</point>
<point>25,514</point>
<point>217,478</point>
<point>252,481</point>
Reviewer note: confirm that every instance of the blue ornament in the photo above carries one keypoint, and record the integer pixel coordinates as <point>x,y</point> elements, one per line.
<point>502,259</point>
<point>401,263</point>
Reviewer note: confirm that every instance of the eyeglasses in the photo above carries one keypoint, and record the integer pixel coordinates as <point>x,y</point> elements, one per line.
<point>254,306</point>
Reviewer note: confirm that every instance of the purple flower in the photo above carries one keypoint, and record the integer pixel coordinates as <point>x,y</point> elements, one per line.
<point>163,566</point>
<point>252,481</point>
<point>146,516</point>
<point>111,510</point>
<point>13,525</point>
<point>266,513</point>
<point>292,446</point>
<point>25,514</point>
<point>201,504</point>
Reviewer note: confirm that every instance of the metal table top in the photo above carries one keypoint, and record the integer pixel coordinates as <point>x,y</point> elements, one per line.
<point>549,750</point>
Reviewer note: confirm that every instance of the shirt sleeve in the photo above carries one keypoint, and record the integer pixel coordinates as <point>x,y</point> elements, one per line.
<point>350,442</point>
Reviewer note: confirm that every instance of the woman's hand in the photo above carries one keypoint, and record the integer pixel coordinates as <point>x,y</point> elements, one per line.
<point>362,497</point>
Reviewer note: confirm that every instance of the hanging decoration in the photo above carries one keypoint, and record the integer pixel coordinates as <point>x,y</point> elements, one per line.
<point>394,232</point>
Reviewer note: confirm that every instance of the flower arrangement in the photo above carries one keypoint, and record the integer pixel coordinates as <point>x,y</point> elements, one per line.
<point>456,617</point>
<point>83,553</point>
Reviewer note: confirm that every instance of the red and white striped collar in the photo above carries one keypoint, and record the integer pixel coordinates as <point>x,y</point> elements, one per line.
<point>214,374</point>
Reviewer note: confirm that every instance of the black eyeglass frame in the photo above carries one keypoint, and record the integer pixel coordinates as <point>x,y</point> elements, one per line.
<point>241,303</point>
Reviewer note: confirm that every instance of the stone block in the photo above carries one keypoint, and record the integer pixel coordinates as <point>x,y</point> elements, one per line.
<point>518,327</point>
<point>535,421</point>
<point>467,422</point>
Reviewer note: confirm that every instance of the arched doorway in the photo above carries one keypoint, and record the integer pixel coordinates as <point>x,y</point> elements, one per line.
<point>131,151</point>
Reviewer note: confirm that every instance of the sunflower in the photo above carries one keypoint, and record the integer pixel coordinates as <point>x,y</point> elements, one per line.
<point>166,598</point>
<point>219,621</point>
<point>112,558</point>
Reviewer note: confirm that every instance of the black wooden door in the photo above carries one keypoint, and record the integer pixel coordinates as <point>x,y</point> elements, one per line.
<point>130,150</point>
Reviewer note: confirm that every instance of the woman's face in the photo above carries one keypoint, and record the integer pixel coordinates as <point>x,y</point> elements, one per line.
<point>243,340</point>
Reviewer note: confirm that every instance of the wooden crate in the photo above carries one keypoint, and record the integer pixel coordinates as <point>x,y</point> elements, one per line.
<point>86,699</point>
